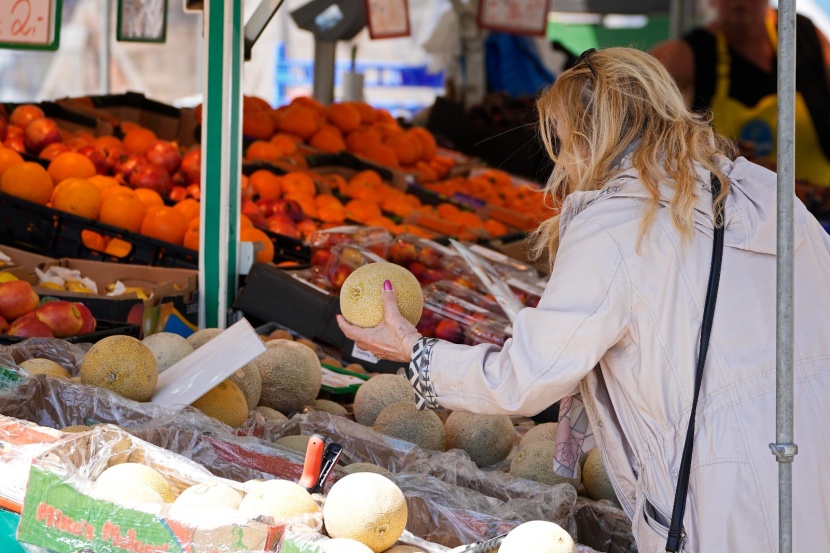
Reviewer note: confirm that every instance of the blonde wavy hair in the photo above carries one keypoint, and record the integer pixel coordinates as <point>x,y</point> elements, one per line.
<point>631,105</point>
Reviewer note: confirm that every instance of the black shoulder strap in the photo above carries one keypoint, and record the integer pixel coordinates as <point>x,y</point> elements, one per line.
<point>675,530</point>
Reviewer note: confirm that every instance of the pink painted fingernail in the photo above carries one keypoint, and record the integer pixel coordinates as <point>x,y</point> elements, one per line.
<point>387,285</point>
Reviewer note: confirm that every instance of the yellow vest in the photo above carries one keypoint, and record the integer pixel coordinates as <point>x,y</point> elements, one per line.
<point>757,126</point>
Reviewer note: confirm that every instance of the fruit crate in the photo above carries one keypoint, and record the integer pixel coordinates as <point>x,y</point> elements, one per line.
<point>103,329</point>
<point>41,229</point>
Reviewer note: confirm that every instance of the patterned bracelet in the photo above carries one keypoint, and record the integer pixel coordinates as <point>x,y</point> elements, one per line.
<point>418,374</point>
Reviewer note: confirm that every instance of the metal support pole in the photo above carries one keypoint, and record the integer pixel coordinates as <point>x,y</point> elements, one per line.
<point>785,449</point>
<point>106,38</point>
<point>324,59</point>
<point>221,154</point>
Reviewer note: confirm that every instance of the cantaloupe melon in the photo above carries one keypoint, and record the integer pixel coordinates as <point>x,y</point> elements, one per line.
<point>250,382</point>
<point>541,432</point>
<point>365,467</point>
<point>355,368</point>
<point>203,336</point>
<point>225,403</point>
<point>207,494</point>
<point>487,439</point>
<point>291,376</point>
<point>271,414</point>
<point>360,297</point>
<point>535,462</point>
<point>76,428</point>
<point>539,536</point>
<point>128,493</point>
<point>297,443</point>
<point>280,499</point>
<point>404,549</point>
<point>304,341</point>
<point>331,362</point>
<point>331,407</point>
<point>167,348</point>
<point>403,420</point>
<point>366,507</point>
<point>280,334</point>
<point>121,364</point>
<point>595,478</point>
<point>378,393</point>
<point>344,545</point>
<point>116,477</point>
<point>43,366</point>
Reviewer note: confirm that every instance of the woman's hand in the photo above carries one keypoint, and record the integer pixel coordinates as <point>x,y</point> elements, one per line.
<point>393,339</point>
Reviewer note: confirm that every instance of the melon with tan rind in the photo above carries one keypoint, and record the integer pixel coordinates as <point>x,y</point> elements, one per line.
<point>539,536</point>
<point>48,367</point>
<point>361,300</point>
<point>168,349</point>
<point>122,364</point>
<point>279,499</point>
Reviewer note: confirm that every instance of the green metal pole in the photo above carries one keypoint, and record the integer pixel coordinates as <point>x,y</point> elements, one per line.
<point>221,154</point>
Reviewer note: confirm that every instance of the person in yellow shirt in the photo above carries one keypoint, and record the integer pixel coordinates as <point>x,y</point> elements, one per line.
<point>730,67</point>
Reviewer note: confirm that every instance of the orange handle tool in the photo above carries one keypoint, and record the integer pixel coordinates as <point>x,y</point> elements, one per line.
<point>313,462</point>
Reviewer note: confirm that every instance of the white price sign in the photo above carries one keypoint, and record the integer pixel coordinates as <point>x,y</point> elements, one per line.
<point>30,24</point>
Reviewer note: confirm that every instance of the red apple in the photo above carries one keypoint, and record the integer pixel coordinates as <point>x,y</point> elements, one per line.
<point>17,298</point>
<point>40,133</point>
<point>63,317</point>
<point>282,225</point>
<point>450,331</point>
<point>320,258</point>
<point>195,191</point>
<point>252,211</point>
<point>4,326</point>
<point>164,154</point>
<point>337,275</point>
<point>89,321</point>
<point>431,275</point>
<point>289,208</point>
<point>306,228</point>
<point>15,141</point>
<point>416,268</point>
<point>97,157</point>
<point>148,175</point>
<point>192,166</point>
<point>266,206</point>
<point>30,327</point>
<point>53,150</point>
<point>4,127</point>
<point>112,156</point>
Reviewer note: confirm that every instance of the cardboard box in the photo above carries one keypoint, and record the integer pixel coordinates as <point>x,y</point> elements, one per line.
<point>23,263</point>
<point>168,122</point>
<point>61,512</point>
<point>173,307</point>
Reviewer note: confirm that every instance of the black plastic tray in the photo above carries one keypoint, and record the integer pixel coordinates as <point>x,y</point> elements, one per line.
<point>103,329</point>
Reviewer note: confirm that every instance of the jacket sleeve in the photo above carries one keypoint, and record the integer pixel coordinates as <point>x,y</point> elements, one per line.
<point>584,311</point>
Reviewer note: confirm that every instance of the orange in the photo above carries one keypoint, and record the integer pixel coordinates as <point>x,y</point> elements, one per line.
<point>93,240</point>
<point>29,181</point>
<point>306,228</point>
<point>384,222</point>
<point>298,184</point>
<point>149,197</point>
<point>343,116</point>
<point>306,202</point>
<point>447,211</point>
<point>328,139</point>
<point>388,130</point>
<point>367,112</point>
<point>191,235</point>
<point>266,254</point>
<point>108,142</point>
<point>8,157</point>
<point>190,208</point>
<point>255,104</point>
<point>112,190</point>
<point>424,137</point>
<point>268,186</point>
<point>264,150</point>
<point>407,148</point>
<point>119,248</point>
<point>127,126</point>
<point>137,139</point>
<point>77,196</point>
<point>257,125</point>
<point>397,206</point>
<point>300,120</point>
<point>336,182</point>
<point>164,223</point>
<point>103,181</point>
<point>70,164</point>
<point>362,210</point>
<point>331,213</point>
<point>362,139</point>
<point>381,154</point>
<point>327,200</point>
<point>285,143</point>
<point>495,228</point>
<point>367,177</point>
<point>244,221</point>
<point>384,116</point>
<point>24,114</point>
<point>123,209</point>
<point>309,102</point>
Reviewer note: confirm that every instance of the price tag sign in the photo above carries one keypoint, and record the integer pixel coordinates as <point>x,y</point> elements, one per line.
<point>141,21</point>
<point>30,24</point>
<point>523,17</point>
<point>387,18</point>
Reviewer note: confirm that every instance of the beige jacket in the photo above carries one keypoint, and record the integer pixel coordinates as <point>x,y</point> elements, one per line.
<point>639,317</point>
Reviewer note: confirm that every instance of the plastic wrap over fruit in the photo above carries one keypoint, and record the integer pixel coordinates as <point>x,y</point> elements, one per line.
<point>68,356</point>
<point>602,526</point>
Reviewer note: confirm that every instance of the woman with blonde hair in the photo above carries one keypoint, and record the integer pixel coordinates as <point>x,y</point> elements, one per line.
<point>633,252</point>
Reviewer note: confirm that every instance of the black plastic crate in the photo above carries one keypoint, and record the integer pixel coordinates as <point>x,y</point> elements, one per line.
<point>41,229</point>
<point>103,329</point>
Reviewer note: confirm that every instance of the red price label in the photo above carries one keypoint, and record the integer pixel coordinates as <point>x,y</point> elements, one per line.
<point>28,22</point>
